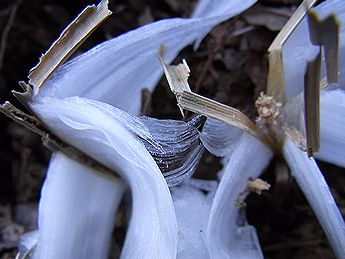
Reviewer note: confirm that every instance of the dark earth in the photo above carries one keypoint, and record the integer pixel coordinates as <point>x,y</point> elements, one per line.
<point>230,66</point>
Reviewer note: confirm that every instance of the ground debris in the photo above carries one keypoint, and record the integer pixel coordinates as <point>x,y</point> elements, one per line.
<point>270,17</point>
<point>253,186</point>
<point>257,185</point>
<point>10,231</point>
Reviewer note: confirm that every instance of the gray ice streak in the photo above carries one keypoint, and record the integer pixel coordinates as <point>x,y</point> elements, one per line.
<point>72,103</point>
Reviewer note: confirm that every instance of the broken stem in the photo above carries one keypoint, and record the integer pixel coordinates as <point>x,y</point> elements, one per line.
<point>325,33</point>
<point>210,108</point>
<point>70,39</point>
<point>275,81</point>
<point>312,104</point>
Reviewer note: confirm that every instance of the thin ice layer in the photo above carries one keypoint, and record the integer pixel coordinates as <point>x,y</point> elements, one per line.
<point>316,190</point>
<point>192,208</point>
<point>227,234</point>
<point>219,137</point>
<point>115,71</point>
<point>185,170</point>
<point>100,134</point>
<point>174,145</point>
<point>332,127</point>
<point>297,50</point>
<point>28,242</point>
<point>76,217</point>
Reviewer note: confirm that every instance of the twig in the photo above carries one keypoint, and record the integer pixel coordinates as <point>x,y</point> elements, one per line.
<point>312,104</point>
<point>70,39</point>
<point>291,25</point>
<point>276,81</point>
<point>325,33</point>
<point>6,31</point>
<point>205,106</point>
<point>293,244</point>
<point>205,68</point>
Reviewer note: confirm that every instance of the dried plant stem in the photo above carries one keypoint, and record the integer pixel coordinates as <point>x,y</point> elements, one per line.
<point>202,105</point>
<point>275,81</point>
<point>312,104</point>
<point>325,33</point>
<point>291,25</point>
<point>70,39</point>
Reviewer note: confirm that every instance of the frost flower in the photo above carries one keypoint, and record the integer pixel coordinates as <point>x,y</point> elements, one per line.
<point>74,102</point>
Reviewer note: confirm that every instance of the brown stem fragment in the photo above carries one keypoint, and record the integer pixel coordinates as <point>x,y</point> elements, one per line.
<point>276,81</point>
<point>70,39</point>
<point>312,104</point>
<point>325,33</point>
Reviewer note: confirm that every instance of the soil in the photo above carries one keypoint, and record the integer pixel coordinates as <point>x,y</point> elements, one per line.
<point>230,66</point>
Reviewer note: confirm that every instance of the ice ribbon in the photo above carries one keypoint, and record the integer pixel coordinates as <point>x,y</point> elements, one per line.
<point>316,190</point>
<point>92,127</point>
<point>227,233</point>
<point>62,202</point>
<point>332,126</point>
